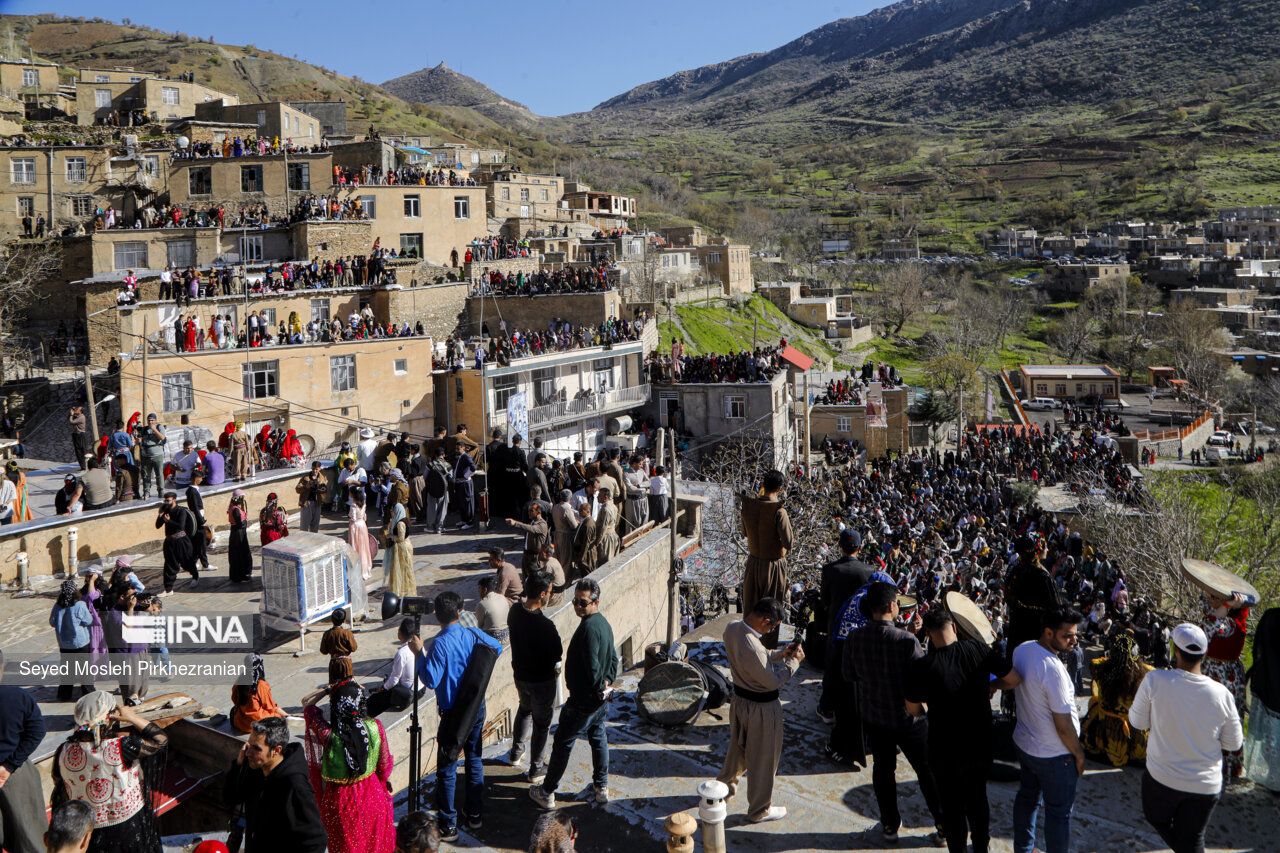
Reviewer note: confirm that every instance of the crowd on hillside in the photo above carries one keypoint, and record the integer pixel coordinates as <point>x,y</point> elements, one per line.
<point>560,336</point>
<point>418,176</point>
<point>250,146</point>
<point>759,365</point>
<point>564,280</point>
<point>258,330</point>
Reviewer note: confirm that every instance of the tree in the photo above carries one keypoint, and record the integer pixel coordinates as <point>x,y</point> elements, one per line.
<point>23,268</point>
<point>903,291</point>
<point>935,410</point>
<point>1076,335</point>
<point>1193,340</point>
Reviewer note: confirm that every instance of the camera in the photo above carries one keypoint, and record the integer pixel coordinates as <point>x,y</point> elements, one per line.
<point>411,605</point>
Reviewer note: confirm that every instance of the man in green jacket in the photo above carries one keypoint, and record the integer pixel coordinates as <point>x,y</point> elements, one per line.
<point>590,666</point>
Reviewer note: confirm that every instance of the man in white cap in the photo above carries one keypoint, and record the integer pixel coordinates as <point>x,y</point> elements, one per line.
<point>364,450</point>
<point>1193,720</point>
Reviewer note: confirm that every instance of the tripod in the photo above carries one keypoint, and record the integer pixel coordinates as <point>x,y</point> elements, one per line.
<point>415,751</point>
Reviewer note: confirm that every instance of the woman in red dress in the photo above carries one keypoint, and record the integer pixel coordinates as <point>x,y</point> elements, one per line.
<point>273,523</point>
<point>191,334</point>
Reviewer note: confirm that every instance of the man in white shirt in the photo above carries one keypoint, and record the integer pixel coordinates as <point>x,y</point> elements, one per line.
<point>364,450</point>
<point>1193,720</point>
<point>587,495</point>
<point>491,610</point>
<point>183,464</point>
<point>1047,735</point>
<point>393,694</point>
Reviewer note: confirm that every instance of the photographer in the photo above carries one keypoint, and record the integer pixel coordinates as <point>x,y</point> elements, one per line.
<point>313,490</point>
<point>80,443</point>
<point>179,548</point>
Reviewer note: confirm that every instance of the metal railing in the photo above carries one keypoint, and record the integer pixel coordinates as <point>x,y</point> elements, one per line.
<point>597,404</point>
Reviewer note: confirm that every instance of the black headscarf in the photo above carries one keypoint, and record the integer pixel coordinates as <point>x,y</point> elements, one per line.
<point>257,671</point>
<point>346,717</point>
<point>1264,675</point>
<point>69,594</point>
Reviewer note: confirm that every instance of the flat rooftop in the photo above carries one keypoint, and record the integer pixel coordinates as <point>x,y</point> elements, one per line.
<point>1070,371</point>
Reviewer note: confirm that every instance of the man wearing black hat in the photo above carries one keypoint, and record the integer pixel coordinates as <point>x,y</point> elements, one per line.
<point>151,442</point>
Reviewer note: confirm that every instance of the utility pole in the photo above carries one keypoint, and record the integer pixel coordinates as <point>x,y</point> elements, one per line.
<point>673,579</point>
<point>808,453</point>
<point>93,407</point>
<point>145,347</point>
<point>755,330</point>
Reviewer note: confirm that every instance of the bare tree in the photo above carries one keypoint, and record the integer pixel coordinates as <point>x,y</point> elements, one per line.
<point>23,268</point>
<point>903,291</point>
<point>1190,337</point>
<point>1076,335</point>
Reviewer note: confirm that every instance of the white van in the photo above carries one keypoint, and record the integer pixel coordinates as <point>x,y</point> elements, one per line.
<point>1040,404</point>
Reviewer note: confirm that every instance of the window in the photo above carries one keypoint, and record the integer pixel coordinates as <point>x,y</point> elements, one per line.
<point>524,194</point>
<point>411,243</point>
<point>475,158</point>
<point>844,423</point>
<point>342,373</point>
<point>544,195</point>
<point>102,78</point>
<point>506,193</point>
<point>269,316</point>
<point>495,158</point>
<point>81,205</point>
<point>29,77</point>
<point>24,170</point>
<point>299,176</point>
<point>26,205</point>
<point>102,98</point>
<point>311,130</point>
<point>169,95</point>
<point>369,203</point>
<point>261,378</point>
<point>131,255</point>
<point>200,180</point>
<point>735,407</point>
<point>461,207</point>
<point>319,310</point>
<point>151,164</point>
<point>182,253</point>
<point>713,257</point>
<point>457,389</point>
<point>412,206</point>
<point>297,124</point>
<point>401,367</point>
<point>134,78</point>
<point>176,392</point>
<point>544,386</point>
<point>251,179</point>
<point>603,369</point>
<point>503,388</point>
<point>250,249</point>
<point>1042,388</point>
<point>262,118</point>
<point>524,210</point>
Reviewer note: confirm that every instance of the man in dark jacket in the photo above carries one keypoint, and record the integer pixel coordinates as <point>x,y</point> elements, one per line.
<point>841,580</point>
<point>590,666</point>
<point>22,801</point>
<point>535,651</point>
<point>270,778</point>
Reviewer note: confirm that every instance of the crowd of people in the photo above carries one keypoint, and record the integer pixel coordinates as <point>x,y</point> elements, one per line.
<point>758,365</point>
<point>559,336</point>
<point>414,176</point>
<point>593,279</point>
<point>221,332</point>
<point>248,146</point>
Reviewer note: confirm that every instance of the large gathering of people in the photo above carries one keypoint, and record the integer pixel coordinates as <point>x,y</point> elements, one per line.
<point>573,279</point>
<point>758,365</point>
<point>413,176</point>
<point>247,146</point>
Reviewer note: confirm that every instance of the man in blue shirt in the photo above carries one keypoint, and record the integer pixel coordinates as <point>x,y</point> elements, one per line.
<point>22,799</point>
<point>442,669</point>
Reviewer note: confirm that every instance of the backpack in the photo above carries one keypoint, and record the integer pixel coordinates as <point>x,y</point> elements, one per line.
<point>456,723</point>
<point>719,690</point>
<point>437,481</point>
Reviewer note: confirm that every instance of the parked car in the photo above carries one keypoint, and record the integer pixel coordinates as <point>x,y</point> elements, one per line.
<point>1221,438</point>
<point>1248,427</point>
<point>1041,404</point>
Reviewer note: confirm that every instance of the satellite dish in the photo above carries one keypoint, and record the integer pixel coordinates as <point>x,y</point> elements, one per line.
<point>183,142</point>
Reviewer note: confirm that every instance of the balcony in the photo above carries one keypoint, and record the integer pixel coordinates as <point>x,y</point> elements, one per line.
<point>598,406</point>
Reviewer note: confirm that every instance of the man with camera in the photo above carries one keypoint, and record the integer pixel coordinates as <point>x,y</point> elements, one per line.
<point>151,442</point>
<point>313,490</point>
<point>80,444</point>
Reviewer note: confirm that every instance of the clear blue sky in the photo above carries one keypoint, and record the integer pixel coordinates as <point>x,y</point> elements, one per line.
<point>555,57</point>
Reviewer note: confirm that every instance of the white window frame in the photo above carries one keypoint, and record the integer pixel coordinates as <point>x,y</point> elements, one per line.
<point>415,242</point>
<point>320,311</point>
<point>260,379</point>
<point>262,118</point>
<point>369,204</point>
<point>30,77</point>
<point>544,195</point>
<point>461,207</point>
<point>342,373</point>
<point>250,248</point>
<point>177,394</point>
<point>713,257</point>
<point>413,206</point>
<point>603,379</point>
<point>524,193</point>
<point>102,99</point>
<point>844,423</point>
<point>102,78</point>
<point>22,170</point>
<point>152,162</point>
<point>130,255</point>
<point>503,388</point>
<point>506,193</point>
<point>301,171</point>
<point>400,367</point>
<point>545,388</point>
<point>735,407</point>
<point>26,205</point>
<point>170,95</point>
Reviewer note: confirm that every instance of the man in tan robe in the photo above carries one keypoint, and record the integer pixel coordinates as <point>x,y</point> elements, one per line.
<point>755,714</point>
<point>584,542</point>
<point>767,527</point>
<point>564,524</point>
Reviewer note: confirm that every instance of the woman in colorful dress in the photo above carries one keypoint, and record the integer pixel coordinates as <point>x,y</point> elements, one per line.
<point>350,767</point>
<point>239,555</point>
<point>253,701</point>
<point>398,562</point>
<point>273,523</point>
<point>1225,623</point>
<point>358,530</point>
<point>113,773</point>
<point>1262,741</point>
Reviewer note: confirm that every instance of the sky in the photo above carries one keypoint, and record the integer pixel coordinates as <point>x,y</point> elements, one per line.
<point>555,56</point>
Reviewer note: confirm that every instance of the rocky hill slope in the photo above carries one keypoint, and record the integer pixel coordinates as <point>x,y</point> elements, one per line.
<point>441,85</point>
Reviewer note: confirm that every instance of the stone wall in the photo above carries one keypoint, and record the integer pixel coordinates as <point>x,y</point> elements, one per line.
<point>476,270</point>
<point>536,312</point>
<point>332,240</point>
<point>439,307</point>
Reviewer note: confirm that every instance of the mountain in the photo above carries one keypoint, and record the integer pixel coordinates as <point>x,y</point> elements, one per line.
<point>965,59</point>
<point>442,86</point>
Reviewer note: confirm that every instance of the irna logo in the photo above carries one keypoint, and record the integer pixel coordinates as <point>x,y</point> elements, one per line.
<point>189,631</point>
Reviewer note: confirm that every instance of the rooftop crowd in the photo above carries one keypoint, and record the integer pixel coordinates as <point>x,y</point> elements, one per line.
<point>564,280</point>
<point>759,365</point>
<point>416,176</point>
<point>249,146</point>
